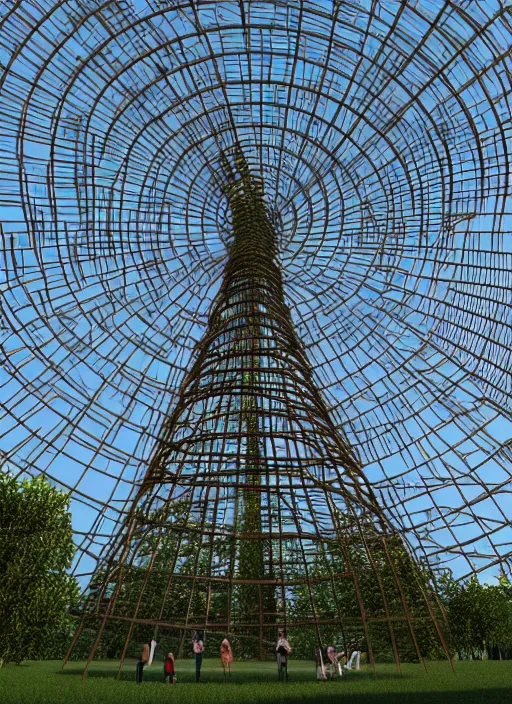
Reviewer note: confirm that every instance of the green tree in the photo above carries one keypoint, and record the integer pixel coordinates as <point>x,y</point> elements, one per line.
<point>479,616</point>
<point>36,550</point>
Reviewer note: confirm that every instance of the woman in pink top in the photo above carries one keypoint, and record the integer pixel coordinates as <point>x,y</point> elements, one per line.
<point>198,646</point>
<point>226,656</point>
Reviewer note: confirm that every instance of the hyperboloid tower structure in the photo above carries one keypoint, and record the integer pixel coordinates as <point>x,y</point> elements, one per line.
<point>254,310</point>
<point>254,514</point>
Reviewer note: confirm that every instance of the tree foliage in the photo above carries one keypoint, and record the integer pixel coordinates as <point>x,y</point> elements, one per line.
<point>175,546</point>
<point>386,577</point>
<point>153,583</point>
<point>480,616</point>
<point>36,549</point>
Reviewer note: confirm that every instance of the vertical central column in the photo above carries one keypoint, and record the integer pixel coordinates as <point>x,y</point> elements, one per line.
<point>247,291</point>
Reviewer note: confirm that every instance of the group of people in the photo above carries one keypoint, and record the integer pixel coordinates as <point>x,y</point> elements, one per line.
<point>146,659</point>
<point>328,660</point>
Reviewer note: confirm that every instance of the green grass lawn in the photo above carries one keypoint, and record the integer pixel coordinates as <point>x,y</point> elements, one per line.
<point>472,683</point>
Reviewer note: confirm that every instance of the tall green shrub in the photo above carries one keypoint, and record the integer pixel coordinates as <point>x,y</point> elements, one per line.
<point>36,550</point>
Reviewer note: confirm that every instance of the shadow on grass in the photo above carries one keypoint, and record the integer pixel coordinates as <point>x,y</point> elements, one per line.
<point>237,678</point>
<point>320,692</point>
<point>480,696</point>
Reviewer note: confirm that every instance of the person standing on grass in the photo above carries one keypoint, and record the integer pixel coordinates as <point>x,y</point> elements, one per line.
<point>169,671</point>
<point>226,656</point>
<point>139,670</point>
<point>283,650</point>
<point>198,647</point>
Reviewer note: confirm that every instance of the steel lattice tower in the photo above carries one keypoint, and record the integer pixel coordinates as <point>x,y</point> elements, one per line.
<point>270,495</point>
<point>354,154</point>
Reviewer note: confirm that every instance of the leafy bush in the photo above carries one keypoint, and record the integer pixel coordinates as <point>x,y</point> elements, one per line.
<point>479,616</point>
<point>36,550</point>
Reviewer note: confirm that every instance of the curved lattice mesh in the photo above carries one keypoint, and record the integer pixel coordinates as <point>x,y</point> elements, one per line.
<point>254,513</point>
<point>380,132</point>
